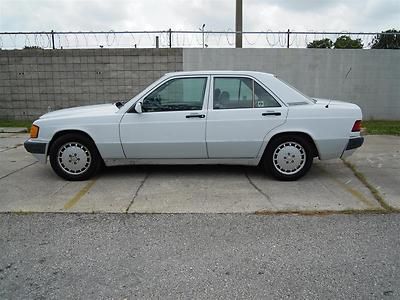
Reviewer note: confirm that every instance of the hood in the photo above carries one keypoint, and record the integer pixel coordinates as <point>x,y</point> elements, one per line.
<point>89,110</point>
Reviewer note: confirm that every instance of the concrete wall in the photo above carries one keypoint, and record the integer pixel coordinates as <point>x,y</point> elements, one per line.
<point>370,78</point>
<point>33,80</point>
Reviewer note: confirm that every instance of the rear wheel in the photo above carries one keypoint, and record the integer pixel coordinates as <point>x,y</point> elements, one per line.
<point>288,157</point>
<point>74,157</point>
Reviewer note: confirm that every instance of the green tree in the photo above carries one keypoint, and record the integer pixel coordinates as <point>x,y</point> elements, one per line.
<point>387,41</point>
<point>324,43</point>
<point>346,42</point>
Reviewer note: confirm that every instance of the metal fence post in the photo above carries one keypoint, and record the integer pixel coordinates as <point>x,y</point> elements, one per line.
<point>52,39</point>
<point>288,37</point>
<point>170,37</point>
<point>157,42</point>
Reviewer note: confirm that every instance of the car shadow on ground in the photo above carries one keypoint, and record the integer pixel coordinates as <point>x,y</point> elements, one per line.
<point>317,171</point>
<point>181,170</point>
<point>202,171</point>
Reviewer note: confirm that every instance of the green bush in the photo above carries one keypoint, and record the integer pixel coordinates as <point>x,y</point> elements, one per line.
<point>324,43</point>
<point>346,42</point>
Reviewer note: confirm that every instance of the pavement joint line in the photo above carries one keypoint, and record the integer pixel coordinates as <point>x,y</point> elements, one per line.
<point>60,188</point>
<point>369,186</point>
<point>78,196</point>
<point>10,148</point>
<point>15,171</point>
<point>137,192</point>
<point>349,189</point>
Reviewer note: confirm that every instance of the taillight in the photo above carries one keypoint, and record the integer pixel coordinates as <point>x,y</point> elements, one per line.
<point>356,126</point>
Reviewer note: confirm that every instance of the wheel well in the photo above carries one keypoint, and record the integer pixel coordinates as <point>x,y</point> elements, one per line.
<point>302,134</point>
<point>63,132</point>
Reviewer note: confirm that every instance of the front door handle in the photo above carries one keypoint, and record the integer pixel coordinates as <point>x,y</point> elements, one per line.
<point>195,116</point>
<point>273,113</point>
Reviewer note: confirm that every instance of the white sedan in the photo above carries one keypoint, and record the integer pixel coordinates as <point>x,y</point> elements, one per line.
<point>205,117</point>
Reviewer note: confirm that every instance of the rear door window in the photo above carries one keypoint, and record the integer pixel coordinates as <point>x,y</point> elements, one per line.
<point>240,92</point>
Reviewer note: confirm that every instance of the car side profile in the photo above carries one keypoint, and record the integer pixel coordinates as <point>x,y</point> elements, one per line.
<point>202,117</point>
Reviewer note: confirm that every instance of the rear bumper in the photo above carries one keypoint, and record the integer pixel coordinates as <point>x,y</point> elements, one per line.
<point>352,145</point>
<point>355,143</point>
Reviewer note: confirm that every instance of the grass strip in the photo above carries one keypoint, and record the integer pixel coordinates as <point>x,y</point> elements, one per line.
<point>16,123</point>
<point>382,127</point>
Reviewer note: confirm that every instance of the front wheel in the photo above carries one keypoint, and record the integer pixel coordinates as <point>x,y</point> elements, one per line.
<point>288,157</point>
<point>74,157</point>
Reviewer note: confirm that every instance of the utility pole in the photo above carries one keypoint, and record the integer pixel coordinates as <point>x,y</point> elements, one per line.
<point>239,23</point>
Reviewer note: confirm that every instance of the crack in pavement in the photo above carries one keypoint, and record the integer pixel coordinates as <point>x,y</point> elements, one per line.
<point>13,172</point>
<point>137,192</point>
<point>258,189</point>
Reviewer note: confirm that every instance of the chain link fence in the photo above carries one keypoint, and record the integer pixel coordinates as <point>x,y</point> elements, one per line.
<point>171,38</point>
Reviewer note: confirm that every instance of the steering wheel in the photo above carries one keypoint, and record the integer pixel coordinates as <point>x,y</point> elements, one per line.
<point>153,102</point>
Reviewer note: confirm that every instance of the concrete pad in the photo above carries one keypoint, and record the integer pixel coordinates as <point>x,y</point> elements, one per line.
<point>223,189</point>
<point>36,189</point>
<point>11,140</point>
<point>198,189</point>
<point>379,161</point>
<point>27,186</point>
<point>330,186</point>
<point>112,191</point>
<point>14,159</point>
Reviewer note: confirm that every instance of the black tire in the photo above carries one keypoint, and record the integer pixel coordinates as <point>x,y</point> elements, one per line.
<point>284,165</point>
<point>74,157</point>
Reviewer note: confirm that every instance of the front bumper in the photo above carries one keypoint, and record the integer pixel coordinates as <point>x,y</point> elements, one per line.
<point>38,150</point>
<point>35,147</point>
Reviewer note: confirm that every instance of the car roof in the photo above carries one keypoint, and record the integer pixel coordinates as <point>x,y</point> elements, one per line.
<point>220,72</point>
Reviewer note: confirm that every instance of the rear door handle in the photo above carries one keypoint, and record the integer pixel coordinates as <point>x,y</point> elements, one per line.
<point>271,113</point>
<point>195,116</point>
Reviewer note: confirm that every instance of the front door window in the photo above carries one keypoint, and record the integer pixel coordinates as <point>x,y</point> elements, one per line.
<point>177,95</point>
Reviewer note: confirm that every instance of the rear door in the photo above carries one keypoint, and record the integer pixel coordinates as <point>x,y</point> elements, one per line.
<point>240,115</point>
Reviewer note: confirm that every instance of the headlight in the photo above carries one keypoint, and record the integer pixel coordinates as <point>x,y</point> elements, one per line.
<point>34,131</point>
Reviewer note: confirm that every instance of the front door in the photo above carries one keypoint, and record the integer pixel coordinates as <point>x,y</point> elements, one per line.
<point>172,124</point>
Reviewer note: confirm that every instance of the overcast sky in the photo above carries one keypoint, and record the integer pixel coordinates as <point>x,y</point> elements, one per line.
<point>259,15</point>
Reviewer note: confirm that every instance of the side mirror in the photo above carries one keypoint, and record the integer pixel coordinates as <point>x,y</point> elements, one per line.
<point>138,107</point>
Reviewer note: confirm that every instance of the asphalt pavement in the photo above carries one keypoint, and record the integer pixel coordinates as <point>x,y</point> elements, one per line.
<point>202,256</point>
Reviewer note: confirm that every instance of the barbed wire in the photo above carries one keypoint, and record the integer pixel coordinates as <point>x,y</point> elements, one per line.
<point>170,38</point>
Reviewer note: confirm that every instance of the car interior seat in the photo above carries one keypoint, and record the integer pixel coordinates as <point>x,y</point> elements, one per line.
<point>224,99</point>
